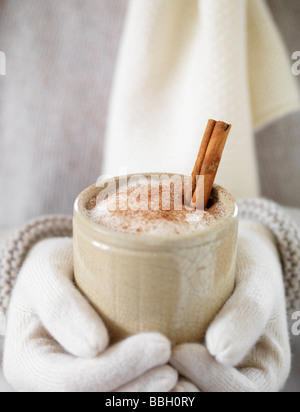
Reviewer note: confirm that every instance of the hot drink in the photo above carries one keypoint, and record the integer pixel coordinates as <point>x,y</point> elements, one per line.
<point>169,270</point>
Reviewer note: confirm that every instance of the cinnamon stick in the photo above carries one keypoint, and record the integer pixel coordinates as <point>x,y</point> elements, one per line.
<point>207,163</point>
<point>199,161</point>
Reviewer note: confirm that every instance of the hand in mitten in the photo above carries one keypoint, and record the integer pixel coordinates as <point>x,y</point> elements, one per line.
<point>55,341</point>
<point>247,346</point>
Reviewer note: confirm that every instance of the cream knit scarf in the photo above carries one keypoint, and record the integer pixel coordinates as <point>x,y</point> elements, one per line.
<point>185,61</point>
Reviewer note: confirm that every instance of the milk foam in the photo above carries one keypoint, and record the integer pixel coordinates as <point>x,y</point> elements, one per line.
<point>153,209</point>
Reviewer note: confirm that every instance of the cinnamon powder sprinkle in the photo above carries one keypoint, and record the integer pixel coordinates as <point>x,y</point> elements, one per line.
<point>152,210</point>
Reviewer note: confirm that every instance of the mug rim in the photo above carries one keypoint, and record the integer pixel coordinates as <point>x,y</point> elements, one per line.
<point>149,240</point>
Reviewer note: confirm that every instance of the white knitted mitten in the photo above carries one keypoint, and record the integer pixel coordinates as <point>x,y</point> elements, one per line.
<point>254,317</point>
<point>55,341</point>
<point>287,236</point>
<point>14,249</point>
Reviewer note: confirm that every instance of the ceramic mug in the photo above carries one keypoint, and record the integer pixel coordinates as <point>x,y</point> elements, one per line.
<point>137,283</point>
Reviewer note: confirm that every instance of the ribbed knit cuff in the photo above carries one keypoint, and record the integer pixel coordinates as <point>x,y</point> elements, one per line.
<point>287,235</point>
<point>19,245</point>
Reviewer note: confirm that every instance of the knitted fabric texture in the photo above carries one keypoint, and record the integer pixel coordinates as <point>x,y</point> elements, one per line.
<point>203,53</point>
<point>287,236</point>
<point>18,245</point>
<point>285,231</point>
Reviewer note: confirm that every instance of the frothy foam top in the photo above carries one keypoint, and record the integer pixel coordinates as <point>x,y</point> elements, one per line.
<point>144,209</point>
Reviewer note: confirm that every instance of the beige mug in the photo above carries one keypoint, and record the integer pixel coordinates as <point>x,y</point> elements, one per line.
<point>174,285</point>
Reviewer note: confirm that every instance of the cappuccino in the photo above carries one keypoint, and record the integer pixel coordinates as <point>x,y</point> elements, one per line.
<point>154,209</point>
<point>167,271</point>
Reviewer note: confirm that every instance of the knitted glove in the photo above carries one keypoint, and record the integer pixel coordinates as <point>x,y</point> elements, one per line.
<point>284,225</point>
<point>55,341</point>
<point>271,215</point>
<point>14,249</point>
<point>254,317</point>
<point>284,228</point>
